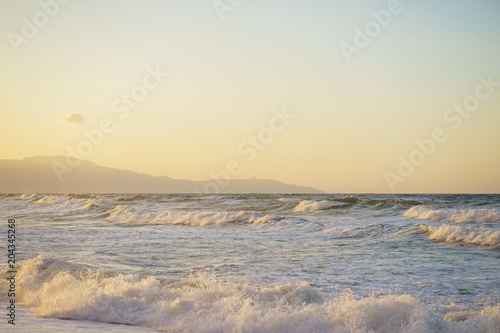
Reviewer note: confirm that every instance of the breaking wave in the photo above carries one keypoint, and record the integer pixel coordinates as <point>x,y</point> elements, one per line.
<point>454,233</point>
<point>481,215</point>
<point>55,203</point>
<point>203,303</point>
<point>127,214</point>
<point>30,196</point>
<point>312,206</point>
<point>65,203</point>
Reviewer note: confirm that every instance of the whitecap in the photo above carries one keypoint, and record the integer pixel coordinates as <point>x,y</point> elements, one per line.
<point>454,233</point>
<point>312,206</point>
<point>478,215</point>
<point>128,214</point>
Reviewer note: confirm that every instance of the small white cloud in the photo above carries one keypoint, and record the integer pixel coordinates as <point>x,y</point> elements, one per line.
<point>73,118</point>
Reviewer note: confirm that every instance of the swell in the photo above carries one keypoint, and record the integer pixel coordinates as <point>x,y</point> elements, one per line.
<point>203,303</point>
<point>128,198</point>
<point>361,205</point>
<point>390,202</point>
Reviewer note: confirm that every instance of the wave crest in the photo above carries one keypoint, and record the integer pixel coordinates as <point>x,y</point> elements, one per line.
<point>312,206</point>
<point>127,214</point>
<point>454,233</point>
<point>481,215</point>
<point>383,203</point>
<point>30,196</point>
<point>57,203</point>
<point>347,199</point>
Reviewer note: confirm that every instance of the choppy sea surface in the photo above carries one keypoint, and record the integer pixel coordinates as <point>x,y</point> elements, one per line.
<point>253,263</point>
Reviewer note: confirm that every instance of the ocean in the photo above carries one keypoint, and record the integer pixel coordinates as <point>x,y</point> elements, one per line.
<point>252,263</point>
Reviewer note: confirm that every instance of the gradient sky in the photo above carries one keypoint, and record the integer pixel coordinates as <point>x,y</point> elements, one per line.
<point>353,120</point>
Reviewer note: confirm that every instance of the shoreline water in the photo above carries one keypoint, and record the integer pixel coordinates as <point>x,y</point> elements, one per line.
<point>28,322</point>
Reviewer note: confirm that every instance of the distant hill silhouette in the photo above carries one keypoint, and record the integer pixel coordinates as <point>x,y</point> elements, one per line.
<point>36,175</point>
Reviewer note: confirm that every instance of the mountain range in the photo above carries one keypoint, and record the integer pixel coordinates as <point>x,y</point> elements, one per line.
<point>45,174</point>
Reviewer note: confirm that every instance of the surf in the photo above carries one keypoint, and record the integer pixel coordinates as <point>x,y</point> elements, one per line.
<point>455,215</point>
<point>204,303</point>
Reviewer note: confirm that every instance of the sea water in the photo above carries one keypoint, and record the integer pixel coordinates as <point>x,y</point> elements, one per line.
<point>253,263</point>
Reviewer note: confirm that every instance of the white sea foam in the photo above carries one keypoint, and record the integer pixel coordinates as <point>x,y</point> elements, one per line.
<point>455,233</point>
<point>202,303</point>
<point>128,214</point>
<point>65,203</point>
<point>40,203</point>
<point>30,196</point>
<point>480,215</point>
<point>311,206</point>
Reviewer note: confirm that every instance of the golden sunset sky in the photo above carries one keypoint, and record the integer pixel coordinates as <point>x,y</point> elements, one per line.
<point>67,67</point>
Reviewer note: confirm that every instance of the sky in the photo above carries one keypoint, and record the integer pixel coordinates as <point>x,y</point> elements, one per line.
<point>344,96</point>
